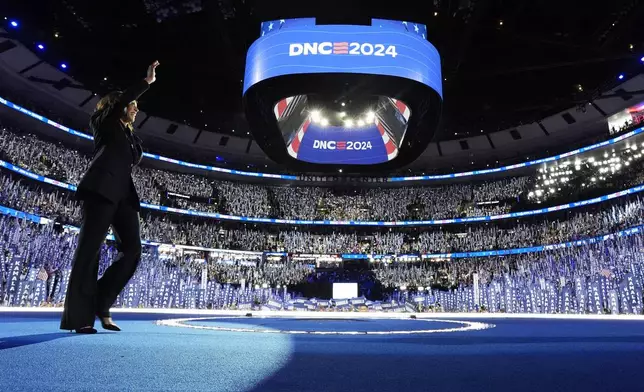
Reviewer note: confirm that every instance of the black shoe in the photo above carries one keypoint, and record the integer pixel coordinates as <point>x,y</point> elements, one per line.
<point>86,330</point>
<point>109,326</point>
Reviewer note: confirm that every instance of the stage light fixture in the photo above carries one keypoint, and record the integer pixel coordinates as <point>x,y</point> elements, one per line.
<point>342,114</point>
<point>342,103</point>
<point>361,123</point>
<point>620,77</point>
<point>370,116</point>
<point>40,46</point>
<point>324,122</point>
<point>315,115</point>
<point>348,123</point>
<point>63,66</point>
<point>14,23</point>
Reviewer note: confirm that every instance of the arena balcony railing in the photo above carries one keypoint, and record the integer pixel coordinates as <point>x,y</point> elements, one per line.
<point>373,257</point>
<point>399,179</point>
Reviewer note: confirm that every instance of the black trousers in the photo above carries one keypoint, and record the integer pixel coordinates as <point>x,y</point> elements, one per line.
<point>86,297</point>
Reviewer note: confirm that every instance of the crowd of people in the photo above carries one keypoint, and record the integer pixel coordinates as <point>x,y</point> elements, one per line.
<point>202,193</point>
<point>35,260</point>
<point>569,178</point>
<point>438,202</point>
<point>611,258</point>
<point>605,277</point>
<point>288,274</point>
<point>17,194</point>
<point>611,217</point>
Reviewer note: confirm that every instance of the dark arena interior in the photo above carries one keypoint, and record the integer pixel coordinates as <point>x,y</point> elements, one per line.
<point>334,196</point>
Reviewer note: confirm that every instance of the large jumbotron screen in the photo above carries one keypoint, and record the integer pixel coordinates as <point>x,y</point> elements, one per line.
<point>364,130</point>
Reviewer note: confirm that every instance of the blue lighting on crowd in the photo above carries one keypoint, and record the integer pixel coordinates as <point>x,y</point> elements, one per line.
<point>470,219</point>
<point>487,253</point>
<point>14,23</point>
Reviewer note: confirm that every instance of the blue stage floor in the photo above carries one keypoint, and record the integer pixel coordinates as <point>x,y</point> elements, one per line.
<point>515,355</point>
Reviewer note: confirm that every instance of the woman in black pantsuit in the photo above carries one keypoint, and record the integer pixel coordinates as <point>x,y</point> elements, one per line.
<point>109,199</point>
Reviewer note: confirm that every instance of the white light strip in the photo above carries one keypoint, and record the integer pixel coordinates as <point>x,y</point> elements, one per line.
<point>466,326</point>
<point>178,195</point>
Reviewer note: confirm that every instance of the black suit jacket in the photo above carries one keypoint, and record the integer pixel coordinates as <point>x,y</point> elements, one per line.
<point>116,151</point>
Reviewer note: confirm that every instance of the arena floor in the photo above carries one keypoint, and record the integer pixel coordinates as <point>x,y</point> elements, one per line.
<point>227,351</point>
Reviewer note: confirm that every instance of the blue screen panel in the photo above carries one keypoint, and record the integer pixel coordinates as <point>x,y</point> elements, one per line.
<point>342,145</point>
<point>299,46</point>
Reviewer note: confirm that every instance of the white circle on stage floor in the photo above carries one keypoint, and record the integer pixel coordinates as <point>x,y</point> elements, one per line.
<point>464,326</point>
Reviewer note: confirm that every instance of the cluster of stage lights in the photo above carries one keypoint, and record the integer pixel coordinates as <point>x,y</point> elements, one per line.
<point>39,45</point>
<point>552,178</point>
<point>367,119</point>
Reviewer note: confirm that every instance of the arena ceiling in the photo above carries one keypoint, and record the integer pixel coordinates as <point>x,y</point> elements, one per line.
<point>505,62</point>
